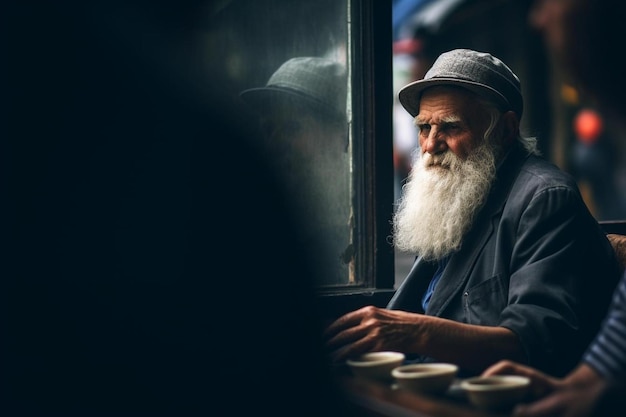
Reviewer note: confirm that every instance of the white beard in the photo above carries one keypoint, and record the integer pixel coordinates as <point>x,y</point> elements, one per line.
<point>439,204</point>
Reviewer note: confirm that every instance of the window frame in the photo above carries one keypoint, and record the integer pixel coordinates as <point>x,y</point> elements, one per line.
<point>371,78</point>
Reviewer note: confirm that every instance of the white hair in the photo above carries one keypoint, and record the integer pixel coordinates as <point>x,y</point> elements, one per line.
<point>438,206</point>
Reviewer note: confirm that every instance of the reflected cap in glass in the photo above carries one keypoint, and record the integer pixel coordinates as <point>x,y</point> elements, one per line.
<point>318,80</point>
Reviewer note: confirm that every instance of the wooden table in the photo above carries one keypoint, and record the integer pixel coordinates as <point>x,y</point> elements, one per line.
<point>381,399</point>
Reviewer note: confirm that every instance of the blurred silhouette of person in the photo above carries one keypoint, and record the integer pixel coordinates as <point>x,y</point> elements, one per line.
<point>594,162</point>
<point>135,276</point>
<point>581,34</point>
<point>302,110</point>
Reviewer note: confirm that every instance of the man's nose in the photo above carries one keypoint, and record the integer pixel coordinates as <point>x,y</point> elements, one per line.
<point>434,143</point>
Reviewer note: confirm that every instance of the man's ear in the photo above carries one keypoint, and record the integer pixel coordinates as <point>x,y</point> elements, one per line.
<point>510,127</point>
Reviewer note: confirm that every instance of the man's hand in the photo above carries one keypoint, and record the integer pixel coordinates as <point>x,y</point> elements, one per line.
<point>371,329</point>
<point>577,395</point>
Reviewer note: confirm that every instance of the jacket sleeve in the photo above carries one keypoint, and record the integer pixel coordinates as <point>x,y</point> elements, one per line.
<point>607,353</point>
<point>563,272</point>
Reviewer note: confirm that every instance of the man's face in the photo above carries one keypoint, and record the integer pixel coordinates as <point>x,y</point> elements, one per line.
<point>449,120</point>
<point>451,177</point>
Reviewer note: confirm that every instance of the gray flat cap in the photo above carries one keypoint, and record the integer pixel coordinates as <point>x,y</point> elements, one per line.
<point>479,72</point>
<point>320,81</point>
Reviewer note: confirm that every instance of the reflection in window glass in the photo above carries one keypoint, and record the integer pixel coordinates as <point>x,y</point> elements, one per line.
<point>288,61</point>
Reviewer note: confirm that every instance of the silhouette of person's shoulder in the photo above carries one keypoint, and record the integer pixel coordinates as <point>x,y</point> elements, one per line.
<point>144,275</point>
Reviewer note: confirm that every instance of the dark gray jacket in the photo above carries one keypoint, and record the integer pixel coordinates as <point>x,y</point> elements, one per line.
<point>535,261</point>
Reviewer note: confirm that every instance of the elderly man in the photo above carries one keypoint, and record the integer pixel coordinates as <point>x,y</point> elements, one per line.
<point>507,251</point>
